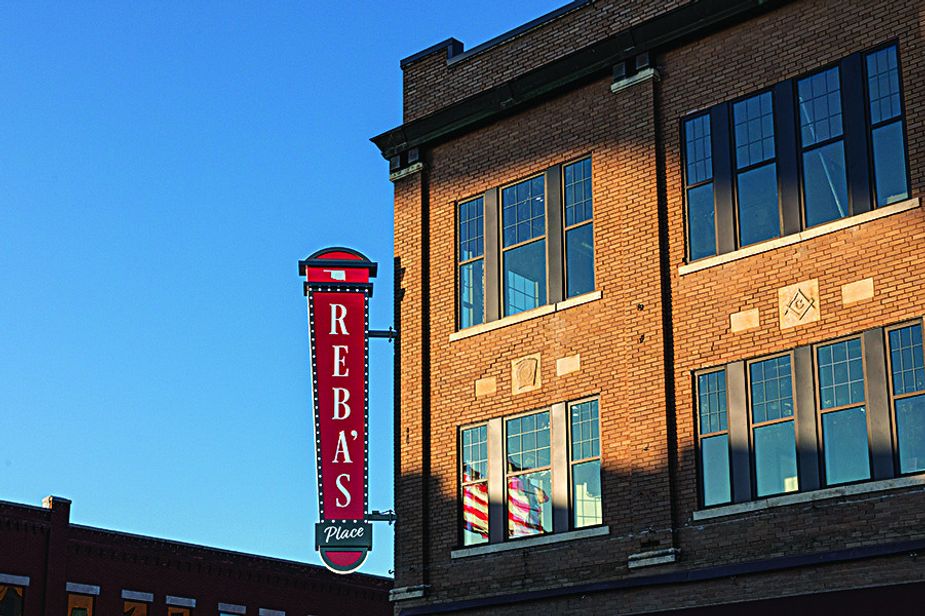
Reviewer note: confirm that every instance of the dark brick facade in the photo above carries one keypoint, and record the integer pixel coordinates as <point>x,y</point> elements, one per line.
<point>655,324</point>
<point>44,554</point>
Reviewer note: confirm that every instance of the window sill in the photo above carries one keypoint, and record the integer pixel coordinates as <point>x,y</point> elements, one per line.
<point>518,544</point>
<point>796,238</point>
<point>809,497</point>
<point>526,315</point>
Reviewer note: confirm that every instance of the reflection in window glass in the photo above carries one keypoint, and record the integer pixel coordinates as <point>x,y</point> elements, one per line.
<point>701,227</point>
<point>825,183</point>
<point>474,459</point>
<point>771,396</point>
<point>11,600</point>
<point>714,438</point>
<point>525,277</point>
<point>889,151</point>
<point>524,220</point>
<point>754,130</point>
<point>759,214</point>
<point>579,235</point>
<point>471,263</point>
<point>844,436</point>
<point>883,85</point>
<point>529,484</point>
<point>471,294</point>
<point>701,221</point>
<point>907,375</point>
<point>844,431</point>
<point>586,464</point>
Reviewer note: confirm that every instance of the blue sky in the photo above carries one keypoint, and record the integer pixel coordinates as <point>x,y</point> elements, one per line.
<point>163,167</point>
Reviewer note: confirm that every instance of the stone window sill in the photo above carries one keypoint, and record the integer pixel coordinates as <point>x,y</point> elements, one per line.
<point>526,315</point>
<point>809,497</point>
<point>518,544</point>
<point>796,238</point>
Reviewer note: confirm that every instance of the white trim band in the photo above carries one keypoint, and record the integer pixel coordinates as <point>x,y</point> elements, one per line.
<point>231,608</point>
<point>518,544</point>
<point>83,589</point>
<point>180,601</point>
<point>651,558</point>
<point>526,315</point>
<point>408,592</point>
<point>802,236</point>
<point>916,481</point>
<point>14,580</point>
<point>134,595</point>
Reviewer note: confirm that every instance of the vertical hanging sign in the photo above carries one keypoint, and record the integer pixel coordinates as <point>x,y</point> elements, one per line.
<point>338,287</point>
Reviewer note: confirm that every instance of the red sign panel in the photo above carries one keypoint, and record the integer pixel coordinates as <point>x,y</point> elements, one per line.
<point>338,290</point>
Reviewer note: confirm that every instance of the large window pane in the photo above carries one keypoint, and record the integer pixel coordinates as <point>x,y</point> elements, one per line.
<point>825,184</point>
<point>759,214</point>
<point>890,164</point>
<point>714,462</point>
<point>910,429</point>
<point>844,435</point>
<point>579,260</point>
<point>701,222</point>
<point>775,459</point>
<point>525,277</point>
<point>11,600</point>
<point>586,494</point>
<point>475,514</point>
<point>471,294</point>
<point>529,504</point>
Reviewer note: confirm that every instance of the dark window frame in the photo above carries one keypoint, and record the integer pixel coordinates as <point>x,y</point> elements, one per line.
<point>856,137</point>
<point>536,469</point>
<point>462,484</point>
<point>700,436</point>
<point>494,249</point>
<point>566,227</point>
<point>752,425</point>
<point>572,463</point>
<point>893,397</point>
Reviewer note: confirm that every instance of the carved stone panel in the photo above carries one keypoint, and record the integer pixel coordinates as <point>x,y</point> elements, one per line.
<point>798,303</point>
<point>526,374</point>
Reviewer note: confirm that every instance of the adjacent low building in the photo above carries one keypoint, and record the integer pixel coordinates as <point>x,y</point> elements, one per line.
<point>660,295</point>
<point>49,566</point>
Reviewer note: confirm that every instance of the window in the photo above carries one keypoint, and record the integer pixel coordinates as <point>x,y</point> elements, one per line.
<point>804,152</point>
<point>585,464</point>
<point>773,436</point>
<point>701,230</point>
<point>842,412</point>
<point>529,481</point>
<point>173,610</point>
<point>134,608</point>
<point>713,428</point>
<point>471,263</point>
<point>11,600</point>
<point>511,467</point>
<point>907,376</point>
<point>474,474</point>
<point>79,605</point>
<point>820,415</point>
<point>756,170</point>
<point>525,245</point>
<point>886,126</point>
<point>579,230</point>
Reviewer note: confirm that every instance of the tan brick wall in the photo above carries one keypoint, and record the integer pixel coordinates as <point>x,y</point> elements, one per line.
<point>620,337</point>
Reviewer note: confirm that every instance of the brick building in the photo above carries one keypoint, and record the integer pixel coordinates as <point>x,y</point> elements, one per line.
<point>659,270</point>
<point>49,566</point>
